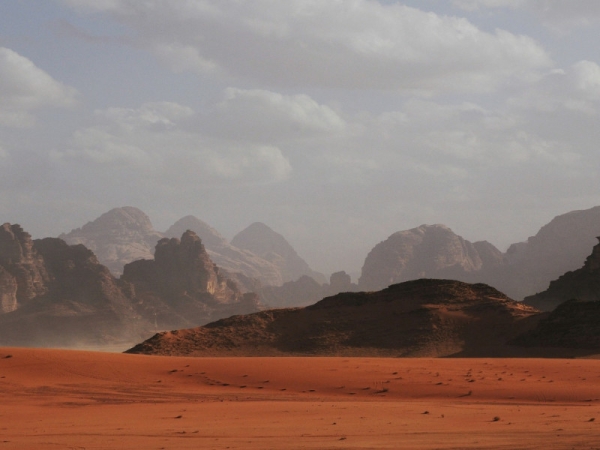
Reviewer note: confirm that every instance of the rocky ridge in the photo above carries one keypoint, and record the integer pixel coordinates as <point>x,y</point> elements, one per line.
<point>417,318</point>
<point>55,294</point>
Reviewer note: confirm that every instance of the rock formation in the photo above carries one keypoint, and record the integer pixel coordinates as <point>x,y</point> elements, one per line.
<point>261,240</point>
<point>118,237</point>
<point>76,302</point>
<point>560,246</point>
<point>183,286</point>
<point>418,318</point>
<point>573,324</point>
<point>429,251</point>
<point>55,294</point>
<point>582,284</point>
<point>230,259</point>
<point>22,273</point>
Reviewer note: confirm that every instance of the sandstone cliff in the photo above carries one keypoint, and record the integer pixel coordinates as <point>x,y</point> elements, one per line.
<point>228,257</point>
<point>77,302</point>
<point>183,286</point>
<point>261,240</point>
<point>118,237</point>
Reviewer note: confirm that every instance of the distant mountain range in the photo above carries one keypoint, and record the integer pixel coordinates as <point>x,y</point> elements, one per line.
<point>126,234</point>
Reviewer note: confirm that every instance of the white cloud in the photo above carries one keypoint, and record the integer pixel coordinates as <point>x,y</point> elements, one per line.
<point>266,116</point>
<point>560,15</point>
<point>149,142</point>
<point>25,88</point>
<point>351,44</point>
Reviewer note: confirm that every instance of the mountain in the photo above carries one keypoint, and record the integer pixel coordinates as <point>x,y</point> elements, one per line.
<point>64,295</point>
<point>417,318</point>
<point>429,251</point>
<point>582,284</point>
<point>55,294</point>
<point>231,259</point>
<point>560,246</point>
<point>261,240</point>
<point>181,285</point>
<point>118,237</point>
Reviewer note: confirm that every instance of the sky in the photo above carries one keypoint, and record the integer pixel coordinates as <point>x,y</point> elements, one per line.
<point>335,122</point>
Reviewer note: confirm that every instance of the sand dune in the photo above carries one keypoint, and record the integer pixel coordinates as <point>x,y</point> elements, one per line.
<point>72,399</point>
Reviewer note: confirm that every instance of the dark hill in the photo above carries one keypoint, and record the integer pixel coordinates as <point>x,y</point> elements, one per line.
<point>417,318</point>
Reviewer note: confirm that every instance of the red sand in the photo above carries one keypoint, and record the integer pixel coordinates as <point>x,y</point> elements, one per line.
<point>57,399</point>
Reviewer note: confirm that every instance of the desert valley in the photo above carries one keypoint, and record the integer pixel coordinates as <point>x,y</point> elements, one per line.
<point>258,351</point>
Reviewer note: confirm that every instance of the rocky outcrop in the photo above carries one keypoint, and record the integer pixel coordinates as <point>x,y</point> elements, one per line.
<point>418,318</point>
<point>573,324</point>
<point>261,240</point>
<point>560,246</point>
<point>55,294</point>
<point>78,303</point>
<point>118,237</point>
<point>582,284</point>
<point>228,257</point>
<point>183,286</point>
<point>22,273</point>
<point>429,251</point>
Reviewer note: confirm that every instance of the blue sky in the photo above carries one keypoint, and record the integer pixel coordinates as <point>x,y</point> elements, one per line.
<point>336,123</point>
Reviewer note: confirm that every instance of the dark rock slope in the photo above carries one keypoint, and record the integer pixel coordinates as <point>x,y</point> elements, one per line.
<point>418,318</point>
<point>582,284</point>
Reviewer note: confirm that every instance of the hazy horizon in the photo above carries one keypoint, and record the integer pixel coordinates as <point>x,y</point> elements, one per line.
<point>336,123</point>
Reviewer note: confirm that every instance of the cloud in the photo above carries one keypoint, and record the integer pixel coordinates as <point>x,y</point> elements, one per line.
<point>557,14</point>
<point>25,88</point>
<point>265,116</point>
<point>357,44</point>
<point>150,143</point>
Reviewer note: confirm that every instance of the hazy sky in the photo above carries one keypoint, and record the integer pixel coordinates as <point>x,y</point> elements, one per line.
<point>335,122</point>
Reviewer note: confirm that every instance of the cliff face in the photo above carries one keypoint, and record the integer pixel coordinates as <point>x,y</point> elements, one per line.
<point>228,257</point>
<point>429,251</point>
<point>582,284</point>
<point>22,272</point>
<point>261,240</point>
<point>78,301</point>
<point>182,286</point>
<point>118,237</point>
<point>55,294</point>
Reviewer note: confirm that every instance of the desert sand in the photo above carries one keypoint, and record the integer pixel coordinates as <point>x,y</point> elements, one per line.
<point>60,399</point>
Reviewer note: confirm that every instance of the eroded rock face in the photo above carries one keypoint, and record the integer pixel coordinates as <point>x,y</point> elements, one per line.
<point>228,257</point>
<point>582,284</point>
<point>77,301</point>
<point>118,237</point>
<point>429,251</point>
<point>261,240</point>
<point>182,286</point>
<point>23,275</point>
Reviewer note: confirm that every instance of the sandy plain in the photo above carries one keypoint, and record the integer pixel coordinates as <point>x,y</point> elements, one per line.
<point>59,399</point>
